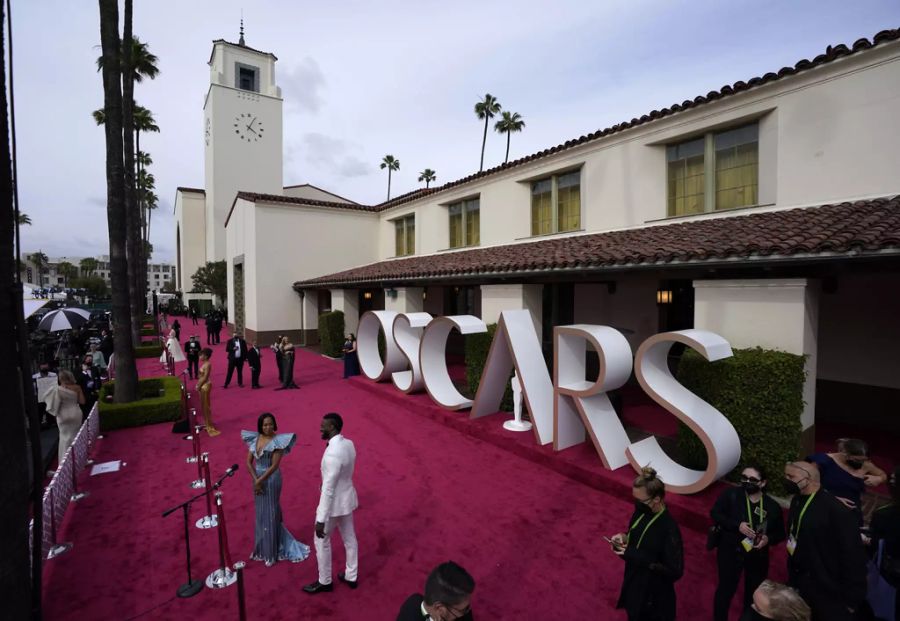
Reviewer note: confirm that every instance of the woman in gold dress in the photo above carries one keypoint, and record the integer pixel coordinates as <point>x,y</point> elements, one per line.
<point>204,388</point>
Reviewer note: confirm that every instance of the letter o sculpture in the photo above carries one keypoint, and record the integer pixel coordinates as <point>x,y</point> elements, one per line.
<point>370,362</point>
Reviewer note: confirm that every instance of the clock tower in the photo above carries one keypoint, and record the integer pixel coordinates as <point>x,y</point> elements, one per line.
<point>242,127</point>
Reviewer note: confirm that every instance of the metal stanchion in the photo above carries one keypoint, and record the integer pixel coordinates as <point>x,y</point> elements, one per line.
<point>56,549</point>
<point>223,576</point>
<point>199,482</point>
<point>242,602</point>
<point>76,495</point>
<point>195,438</point>
<point>210,520</point>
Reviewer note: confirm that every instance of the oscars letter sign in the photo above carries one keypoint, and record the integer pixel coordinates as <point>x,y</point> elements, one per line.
<point>568,409</point>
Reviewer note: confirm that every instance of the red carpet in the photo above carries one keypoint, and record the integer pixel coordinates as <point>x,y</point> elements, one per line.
<point>432,486</point>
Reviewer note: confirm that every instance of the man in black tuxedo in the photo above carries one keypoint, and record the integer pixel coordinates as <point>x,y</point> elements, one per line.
<point>236,348</point>
<point>88,377</point>
<point>210,323</point>
<point>192,353</point>
<point>448,595</point>
<point>254,359</point>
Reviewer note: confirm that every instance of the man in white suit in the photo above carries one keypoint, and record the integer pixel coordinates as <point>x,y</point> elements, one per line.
<point>336,505</point>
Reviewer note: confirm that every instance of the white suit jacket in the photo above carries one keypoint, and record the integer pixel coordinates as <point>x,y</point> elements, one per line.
<point>338,495</point>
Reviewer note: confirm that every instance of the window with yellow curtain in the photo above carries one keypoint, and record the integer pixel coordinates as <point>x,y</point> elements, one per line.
<point>737,167</point>
<point>473,222</point>
<point>542,207</point>
<point>569,201</point>
<point>456,225</point>
<point>405,236</point>
<point>687,177</point>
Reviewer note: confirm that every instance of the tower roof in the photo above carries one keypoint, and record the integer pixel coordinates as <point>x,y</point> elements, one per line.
<point>239,46</point>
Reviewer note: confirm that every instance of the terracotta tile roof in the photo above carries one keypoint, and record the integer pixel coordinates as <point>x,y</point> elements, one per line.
<point>195,190</point>
<point>831,54</point>
<point>291,200</point>
<point>863,227</point>
<point>315,187</point>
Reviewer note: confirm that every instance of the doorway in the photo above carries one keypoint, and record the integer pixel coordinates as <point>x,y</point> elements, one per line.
<point>239,298</point>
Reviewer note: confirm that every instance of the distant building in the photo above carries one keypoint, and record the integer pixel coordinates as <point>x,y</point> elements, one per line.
<point>158,274</point>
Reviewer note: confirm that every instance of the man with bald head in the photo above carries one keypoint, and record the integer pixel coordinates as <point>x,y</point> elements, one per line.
<point>826,559</point>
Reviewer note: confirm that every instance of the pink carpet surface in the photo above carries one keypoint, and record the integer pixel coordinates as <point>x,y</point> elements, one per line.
<point>433,485</point>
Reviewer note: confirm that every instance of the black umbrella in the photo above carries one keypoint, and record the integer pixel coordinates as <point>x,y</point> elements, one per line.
<point>63,319</point>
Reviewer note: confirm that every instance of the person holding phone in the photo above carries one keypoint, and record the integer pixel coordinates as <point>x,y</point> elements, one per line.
<point>750,522</point>
<point>653,553</point>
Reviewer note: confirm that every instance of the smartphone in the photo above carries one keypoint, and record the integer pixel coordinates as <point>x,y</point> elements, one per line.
<point>615,544</point>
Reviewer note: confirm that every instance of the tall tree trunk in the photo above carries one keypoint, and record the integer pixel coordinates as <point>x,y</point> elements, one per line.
<point>144,230</point>
<point>483,143</point>
<point>389,183</point>
<point>15,575</point>
<point>126,372</point>
<point>508,136</point>
<point>132,212</point>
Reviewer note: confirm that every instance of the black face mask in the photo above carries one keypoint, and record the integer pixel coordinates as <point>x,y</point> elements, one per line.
<point>856,464</point>
<point>751,488</point>
<point>790,487</point>
<point>642,508</point>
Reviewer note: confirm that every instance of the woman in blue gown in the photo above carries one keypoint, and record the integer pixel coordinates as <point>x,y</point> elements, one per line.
<point>273,542</point>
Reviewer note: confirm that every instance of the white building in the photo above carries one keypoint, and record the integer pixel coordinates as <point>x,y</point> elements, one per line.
<point>766,211</point>
<point>158,274</point>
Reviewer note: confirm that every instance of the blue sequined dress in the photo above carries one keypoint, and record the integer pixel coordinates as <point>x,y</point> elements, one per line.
<point>273,542</point>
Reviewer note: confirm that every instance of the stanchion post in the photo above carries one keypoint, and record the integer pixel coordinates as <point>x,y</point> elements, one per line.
<point>76,495</point>
<point>224,576</point>
<point>242,602</point>
<point>195,440</point>
<point>56,549</point>
<point>198,482</point>
<point>210,519</point>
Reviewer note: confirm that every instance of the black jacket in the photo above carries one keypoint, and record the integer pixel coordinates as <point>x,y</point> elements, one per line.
<point>192,350</point>
<point>731,509</point>
<point>253,357</point>
<point>652,566</point>
<point>230,347</point>
<point>411,610</point>
<point>829,556</point>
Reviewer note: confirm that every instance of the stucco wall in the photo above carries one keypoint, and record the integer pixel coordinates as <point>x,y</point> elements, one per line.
<point>294,243</point>
<point>312,192</point>
<point>631,308</point>
<point>190,214</point>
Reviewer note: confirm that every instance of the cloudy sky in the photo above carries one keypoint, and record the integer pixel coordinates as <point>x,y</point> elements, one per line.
<point>362,79</point>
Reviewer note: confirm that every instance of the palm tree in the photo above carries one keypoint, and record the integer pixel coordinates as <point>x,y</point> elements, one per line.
<point>40,260</point>
<point>391,164</point>
<point>486,110</point>
<point>143,62</point>
<point>509,122</point>
<point>143,122</point>
<point>24,219</point>
<point>126,371</point>
<point>88,266</point>
<point>67,271</point>
<point>427,176</point>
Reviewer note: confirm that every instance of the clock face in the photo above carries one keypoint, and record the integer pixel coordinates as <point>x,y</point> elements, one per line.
<point>248,127</point>
<point>208,131</point>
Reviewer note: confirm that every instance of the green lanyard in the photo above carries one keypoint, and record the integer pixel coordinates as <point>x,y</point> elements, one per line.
<point>795,533</point>
<point>646,528</point>
<point>749,513</point>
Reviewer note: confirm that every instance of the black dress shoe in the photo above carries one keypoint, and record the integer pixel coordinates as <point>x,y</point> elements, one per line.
<point>318,587</point>
<point>350,583</point>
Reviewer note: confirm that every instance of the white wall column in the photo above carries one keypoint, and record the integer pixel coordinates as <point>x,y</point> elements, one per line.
<point>497,298</point>
<point>347,301</point>
<point>309,310</point>
<point>404,299</point>
<point>780,314</point>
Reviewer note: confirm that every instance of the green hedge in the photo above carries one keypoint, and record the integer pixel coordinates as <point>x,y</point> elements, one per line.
<point>148,351</point>
<point>477,348</point>
<point>761,392</point>
<point>331,333</point>
<point>150,408</point>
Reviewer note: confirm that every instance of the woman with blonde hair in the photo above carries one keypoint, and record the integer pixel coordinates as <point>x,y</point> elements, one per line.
<point>653,553</point>
<point>64,403</point>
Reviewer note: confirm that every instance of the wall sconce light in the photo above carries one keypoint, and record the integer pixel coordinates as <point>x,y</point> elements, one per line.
<point>664,296</point>
<point>424,295</point>
<point>392,293</point>
<point>367,295</point>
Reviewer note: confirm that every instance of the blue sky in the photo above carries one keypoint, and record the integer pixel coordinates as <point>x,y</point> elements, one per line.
<point>363,79</point>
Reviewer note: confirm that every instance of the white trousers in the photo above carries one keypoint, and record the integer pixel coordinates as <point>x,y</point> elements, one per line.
<point>344,523</point>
